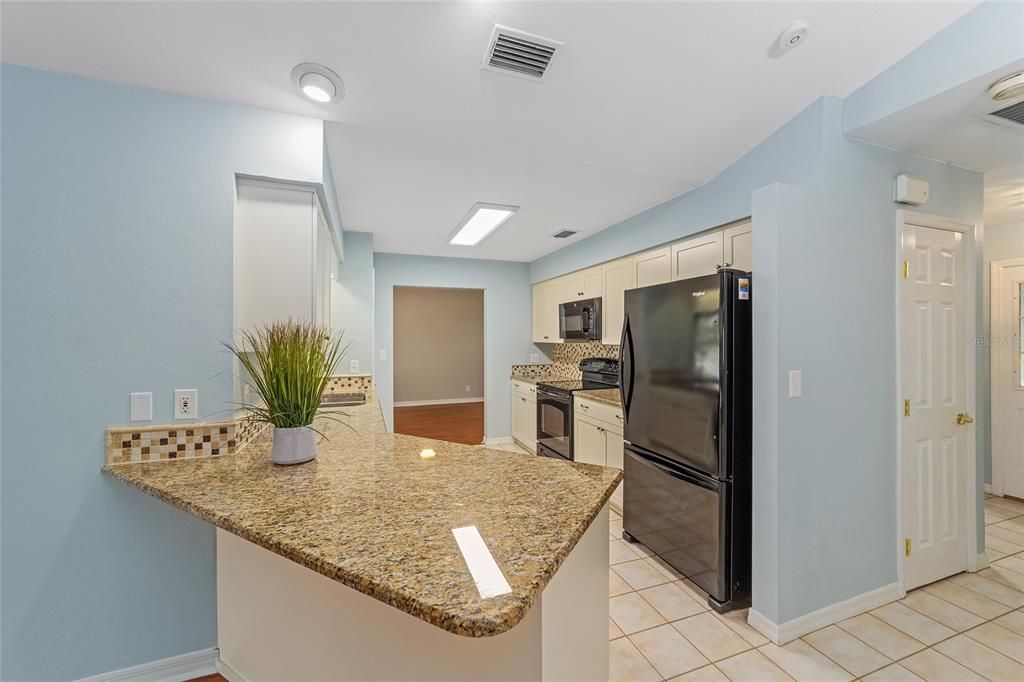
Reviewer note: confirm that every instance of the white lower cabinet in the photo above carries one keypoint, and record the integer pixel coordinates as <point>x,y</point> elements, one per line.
<point>597,438</point>
<point>524,415</point>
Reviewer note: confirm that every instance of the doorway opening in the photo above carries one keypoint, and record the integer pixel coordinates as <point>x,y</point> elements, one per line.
<point>439,363</point>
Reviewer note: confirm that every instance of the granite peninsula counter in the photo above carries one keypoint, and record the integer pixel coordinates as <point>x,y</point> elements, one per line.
<point>374,515</point>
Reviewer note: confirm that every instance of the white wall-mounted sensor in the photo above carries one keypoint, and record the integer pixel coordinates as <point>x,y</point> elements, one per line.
<point>911,190</point>
<point>794,35</point>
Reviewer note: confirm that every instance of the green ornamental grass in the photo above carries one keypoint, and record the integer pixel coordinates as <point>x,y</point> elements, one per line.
<point>288,364</point>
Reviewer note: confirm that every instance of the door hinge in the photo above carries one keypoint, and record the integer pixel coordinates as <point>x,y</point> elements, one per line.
<point>906,546</point>
<point>906,269</point>
<point>906,408</point>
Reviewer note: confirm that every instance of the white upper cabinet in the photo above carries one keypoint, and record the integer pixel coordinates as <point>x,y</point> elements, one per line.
<point>738,243</point>
<point>619,276</point>
<point>653,267</point>
<point>283,257</point>
<point>583,284</point>
<point>546,297</point>
<point>696,256</point>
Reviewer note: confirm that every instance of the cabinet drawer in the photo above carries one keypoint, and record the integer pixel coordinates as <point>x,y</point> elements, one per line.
<point>525,389</point>
<point>610,415</point>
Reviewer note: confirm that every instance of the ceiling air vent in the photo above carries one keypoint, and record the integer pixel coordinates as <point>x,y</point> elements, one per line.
<point>1013,113</point>
<point>563,234</point>
<point>518,53</point>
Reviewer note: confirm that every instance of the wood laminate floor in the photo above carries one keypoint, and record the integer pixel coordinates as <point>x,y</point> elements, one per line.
<point>456,422</point>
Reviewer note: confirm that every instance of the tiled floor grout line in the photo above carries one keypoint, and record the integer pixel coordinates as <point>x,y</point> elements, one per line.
<point>751,647</point>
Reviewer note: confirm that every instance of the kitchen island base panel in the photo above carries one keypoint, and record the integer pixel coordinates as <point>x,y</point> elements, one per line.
<point>279,620</point>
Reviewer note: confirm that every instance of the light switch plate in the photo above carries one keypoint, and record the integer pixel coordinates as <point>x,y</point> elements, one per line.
<point>353,366</point>
<point>534,358</point>
<point>796,383</point>
<point>141,407</point>
<point>382,355</point>
<point>186,403</point>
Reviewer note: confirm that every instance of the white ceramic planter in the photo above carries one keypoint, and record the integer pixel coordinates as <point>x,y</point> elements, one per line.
<point>294,446</point>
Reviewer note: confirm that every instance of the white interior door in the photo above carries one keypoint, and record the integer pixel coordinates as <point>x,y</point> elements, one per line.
<point>1007,355</point>
<point>934,452</point>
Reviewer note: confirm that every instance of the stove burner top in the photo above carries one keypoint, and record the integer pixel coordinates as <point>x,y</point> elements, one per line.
<point>570,385</point>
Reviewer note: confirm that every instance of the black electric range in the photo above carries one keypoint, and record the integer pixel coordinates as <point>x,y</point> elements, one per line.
<point>554,405</point>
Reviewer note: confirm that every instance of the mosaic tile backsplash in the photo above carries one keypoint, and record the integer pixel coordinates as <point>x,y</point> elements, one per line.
<point>156,443</point>
<point>565,360</point>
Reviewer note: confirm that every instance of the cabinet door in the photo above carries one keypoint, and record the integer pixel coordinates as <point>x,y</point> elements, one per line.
<point>653,267</point>
<point>583,284</point>
<point>697,256</point>
<point>588,442</point>
<point>551,297</point>
<point>572,287</point>
<point>538,313</point>
<point>738,244</point>
<point>613,458</point>
<point>523,419</point>
<point>618,277</point>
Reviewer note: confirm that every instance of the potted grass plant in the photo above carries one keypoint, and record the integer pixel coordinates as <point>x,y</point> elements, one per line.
<point>288,364</point>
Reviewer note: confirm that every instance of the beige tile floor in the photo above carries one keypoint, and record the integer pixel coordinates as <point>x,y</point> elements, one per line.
<point>967,627</point>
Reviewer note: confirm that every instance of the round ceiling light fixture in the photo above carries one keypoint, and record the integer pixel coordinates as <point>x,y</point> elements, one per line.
<point>794,35</point>
<point>1010,87</point>
<point>318,83</point>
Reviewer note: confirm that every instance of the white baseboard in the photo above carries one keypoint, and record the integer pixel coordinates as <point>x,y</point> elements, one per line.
<point>499,440</point>
<point>229,673</point>
<point>173,669</point>
<point>988,488</point>
<point>981,562</point>
<point>833,613</point>
<point>442,401</point>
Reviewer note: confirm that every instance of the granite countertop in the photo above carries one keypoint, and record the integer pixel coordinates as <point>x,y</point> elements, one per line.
<point>372,514</point>
<point>608,396</point>
<point>527,380</point>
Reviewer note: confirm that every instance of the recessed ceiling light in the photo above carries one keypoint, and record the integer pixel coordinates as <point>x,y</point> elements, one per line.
<point>481,220</point>
<point>318,83</point>
<point>1010,87</point>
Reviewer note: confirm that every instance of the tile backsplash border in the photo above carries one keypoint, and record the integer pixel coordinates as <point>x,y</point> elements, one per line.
<point>565,360</point>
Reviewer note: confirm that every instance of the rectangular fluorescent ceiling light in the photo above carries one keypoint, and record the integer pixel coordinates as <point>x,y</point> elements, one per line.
<point>481,220</point>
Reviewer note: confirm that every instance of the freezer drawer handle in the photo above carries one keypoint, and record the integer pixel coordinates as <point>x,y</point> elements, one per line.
<point>674,474</point>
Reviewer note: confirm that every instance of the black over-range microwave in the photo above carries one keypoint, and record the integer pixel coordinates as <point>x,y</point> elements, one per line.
<point>580,320</point>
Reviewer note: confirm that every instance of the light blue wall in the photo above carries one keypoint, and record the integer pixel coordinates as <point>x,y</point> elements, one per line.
<point>117,212</point>
<point>507,322</point>
<point>791,154</point>
<point>353,301</point>
<point>988,37</point>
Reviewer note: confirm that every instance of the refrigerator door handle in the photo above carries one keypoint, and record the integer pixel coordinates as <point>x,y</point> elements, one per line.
<point>691,479</point>
<point>626,368</point>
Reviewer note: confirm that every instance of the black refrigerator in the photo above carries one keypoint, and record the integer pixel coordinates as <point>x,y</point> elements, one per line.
<point>685,380</point>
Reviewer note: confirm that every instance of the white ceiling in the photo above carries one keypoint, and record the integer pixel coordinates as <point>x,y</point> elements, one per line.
<point>953,127</point>
<point>644,102</point>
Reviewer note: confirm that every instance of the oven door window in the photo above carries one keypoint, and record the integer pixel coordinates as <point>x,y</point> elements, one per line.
<point>553,424</point>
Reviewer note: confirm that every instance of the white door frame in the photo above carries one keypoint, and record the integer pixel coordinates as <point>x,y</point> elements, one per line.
<point>969,230</point>
<point>998,463</point>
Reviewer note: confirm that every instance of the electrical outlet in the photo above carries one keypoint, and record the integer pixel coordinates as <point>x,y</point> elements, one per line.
<point>382,355</point>
<point>186,403</point>
<point>141,406</point>
<point>468,389</point>
<point>534,358</point>
<point>353,366</point>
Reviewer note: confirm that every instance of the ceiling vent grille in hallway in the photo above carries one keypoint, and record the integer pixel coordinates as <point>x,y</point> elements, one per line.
<point>563,234</point>
<point>518,53</point>
<point>1013,113</point>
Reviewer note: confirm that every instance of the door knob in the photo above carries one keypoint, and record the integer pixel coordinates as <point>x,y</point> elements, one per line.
<point>964,418</point>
